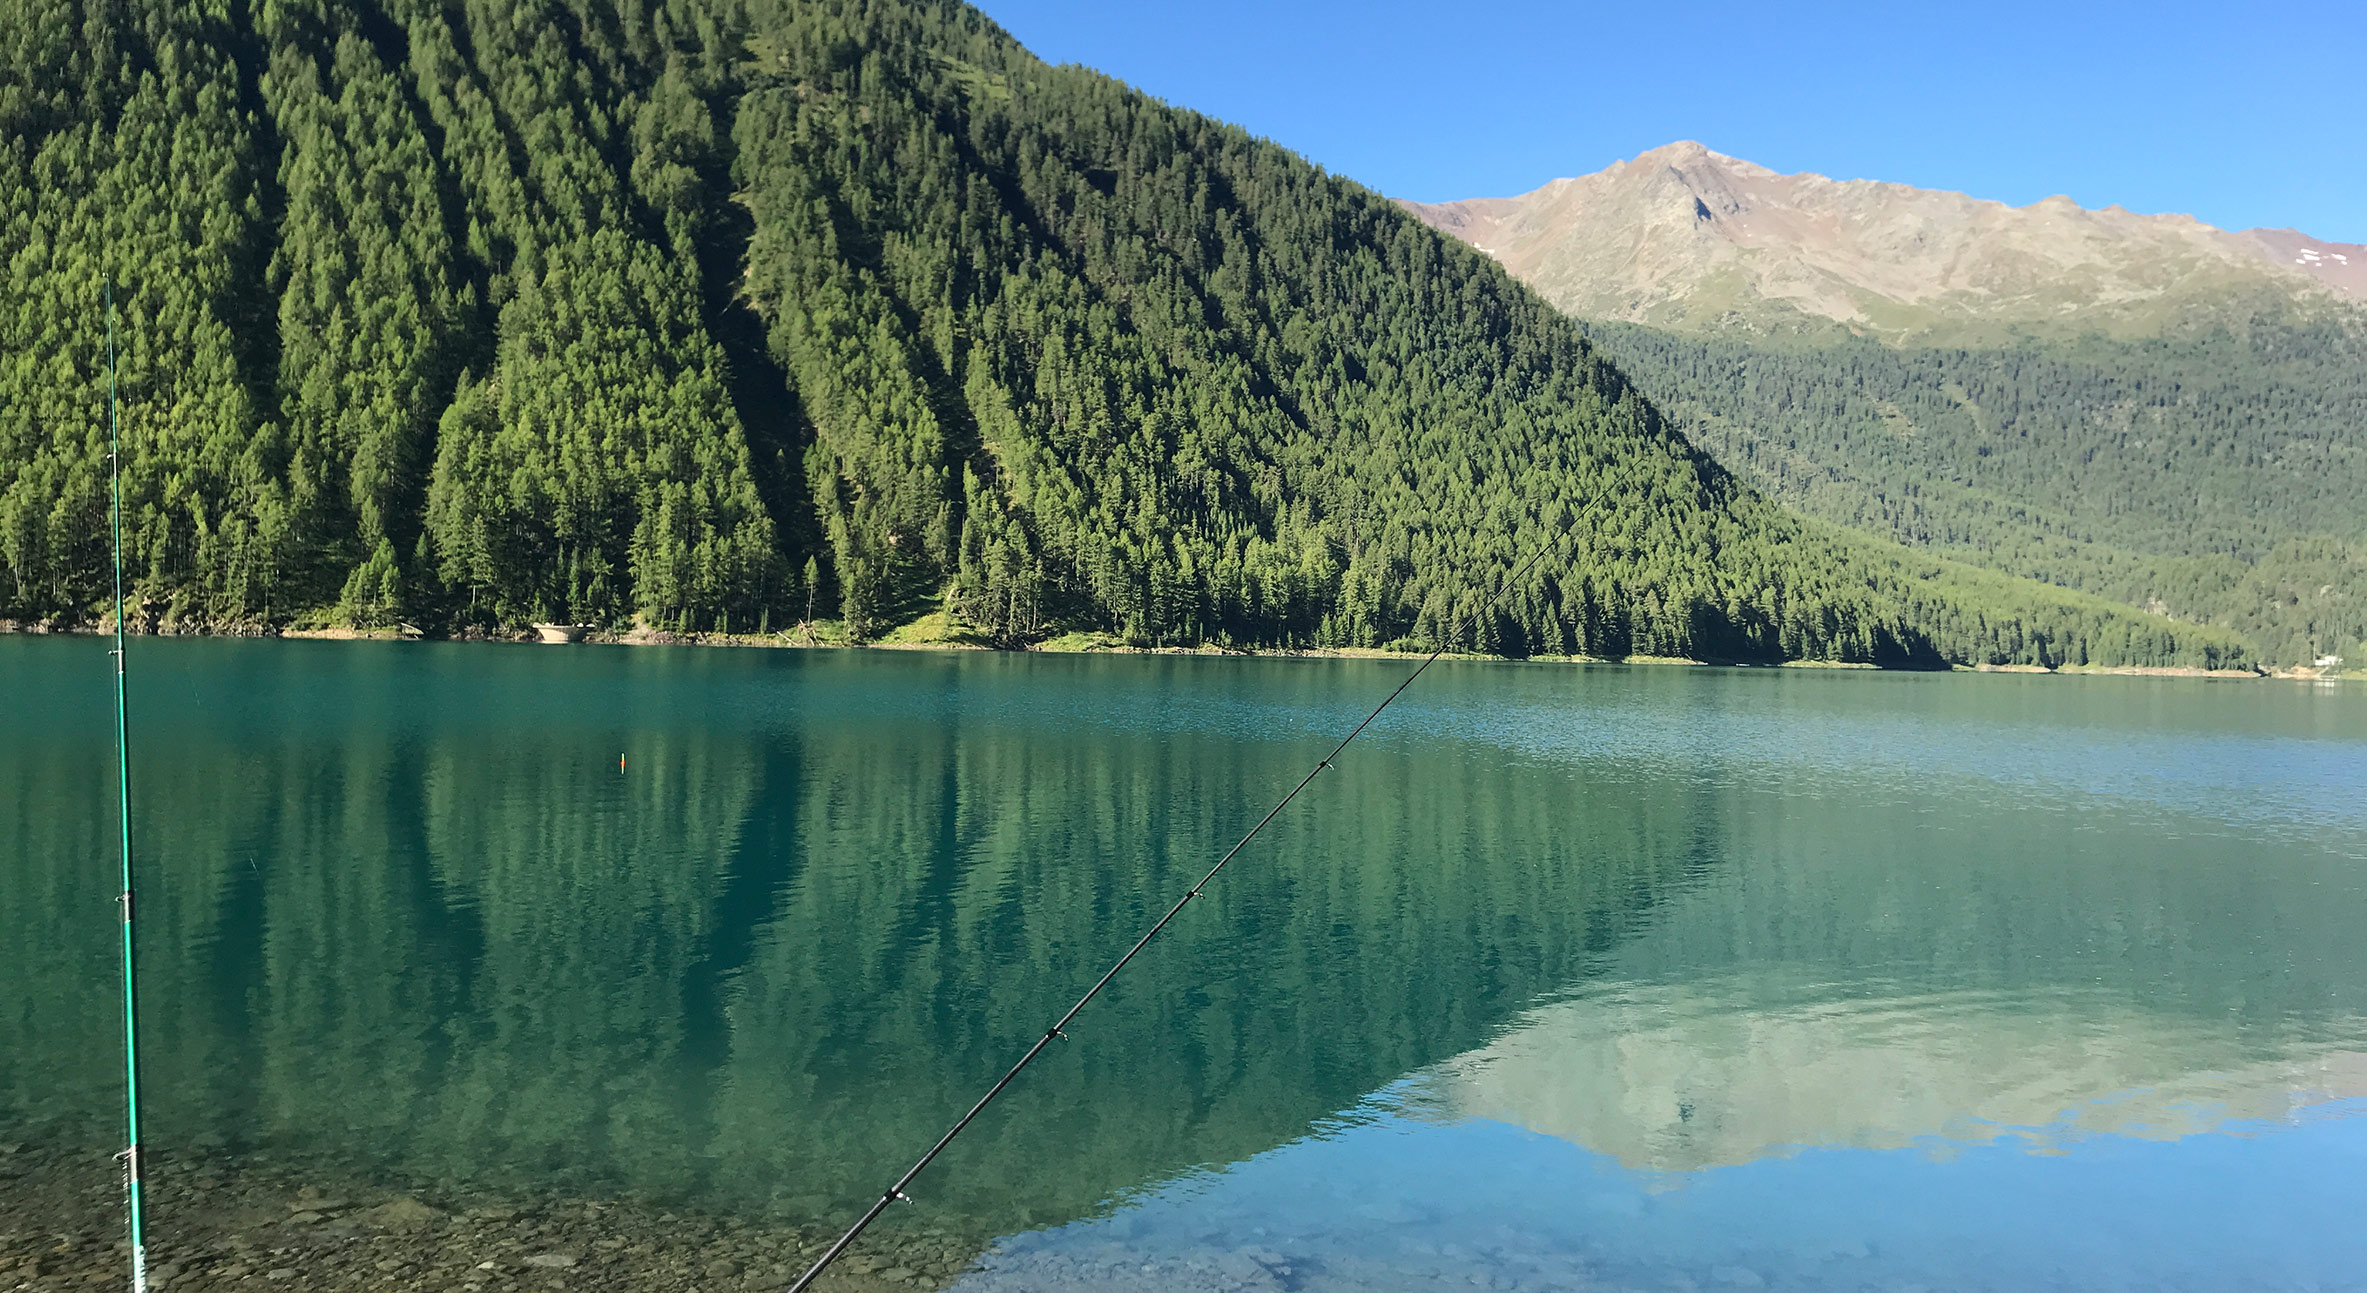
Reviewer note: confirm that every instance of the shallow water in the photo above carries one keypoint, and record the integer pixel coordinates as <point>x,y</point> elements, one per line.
<point>1635,977</point>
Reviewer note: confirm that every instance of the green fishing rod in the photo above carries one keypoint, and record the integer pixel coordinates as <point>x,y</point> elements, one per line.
<point>1059,1028</point>
<point>130,1158</point>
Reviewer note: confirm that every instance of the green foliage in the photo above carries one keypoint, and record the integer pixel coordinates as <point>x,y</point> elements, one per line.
<point>126,156</point>
<point>303,287</point>
<point>369,314</point>
<point>466,314</point>
<point>2218,477</point>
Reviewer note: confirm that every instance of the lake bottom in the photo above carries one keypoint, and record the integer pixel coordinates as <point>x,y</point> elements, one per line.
<point>221,1219</point>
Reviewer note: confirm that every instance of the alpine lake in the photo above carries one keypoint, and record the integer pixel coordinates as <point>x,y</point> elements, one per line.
<point>510,967</point>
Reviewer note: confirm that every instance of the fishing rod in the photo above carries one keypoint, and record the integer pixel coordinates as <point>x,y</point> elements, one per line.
<point>1059,1027</point>
<point>130,1157</point>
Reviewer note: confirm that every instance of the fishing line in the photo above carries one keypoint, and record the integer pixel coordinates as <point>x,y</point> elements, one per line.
<point>1058,1029</point>
<point>130,1157</point>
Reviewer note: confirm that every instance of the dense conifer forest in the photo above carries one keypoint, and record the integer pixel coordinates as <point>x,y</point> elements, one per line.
<point>716,316</point>
<point>2219,475</point>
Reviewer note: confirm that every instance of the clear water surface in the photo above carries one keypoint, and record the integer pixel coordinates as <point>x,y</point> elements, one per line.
<point>1567,976</point>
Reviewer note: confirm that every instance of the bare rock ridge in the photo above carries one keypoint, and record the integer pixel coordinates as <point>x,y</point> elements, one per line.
<point>1687,238</point>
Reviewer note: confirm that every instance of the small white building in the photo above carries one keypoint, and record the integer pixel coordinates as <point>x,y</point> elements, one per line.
<point>2329,662</point>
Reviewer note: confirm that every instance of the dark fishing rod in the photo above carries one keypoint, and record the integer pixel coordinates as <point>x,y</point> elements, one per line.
<point>1059,1027</point>
<point>130,1157</point>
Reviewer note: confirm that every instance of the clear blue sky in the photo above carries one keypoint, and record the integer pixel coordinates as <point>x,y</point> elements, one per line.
<point>2238,114</point>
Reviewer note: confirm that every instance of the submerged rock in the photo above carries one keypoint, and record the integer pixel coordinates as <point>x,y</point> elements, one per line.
<point>401,1214</point>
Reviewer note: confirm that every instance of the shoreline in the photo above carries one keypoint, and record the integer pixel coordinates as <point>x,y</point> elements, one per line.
<point>1093,643</point>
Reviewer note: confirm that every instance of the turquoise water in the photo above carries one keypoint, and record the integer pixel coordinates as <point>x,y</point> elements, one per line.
<point>1633,976</point>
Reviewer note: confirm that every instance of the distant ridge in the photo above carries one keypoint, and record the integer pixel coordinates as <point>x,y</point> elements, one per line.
<point>1687,238</point>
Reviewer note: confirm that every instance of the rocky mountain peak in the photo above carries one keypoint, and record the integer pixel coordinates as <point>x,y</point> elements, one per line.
<point>1684,236</point>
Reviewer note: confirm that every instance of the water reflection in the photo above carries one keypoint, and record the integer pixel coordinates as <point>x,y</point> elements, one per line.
<point>1604,940</point>
<point>1678,1079</point>
<point>1919,1024</point>
<point>1382,1201</point>
<point>1794,1133</point>
<point>407,902</point>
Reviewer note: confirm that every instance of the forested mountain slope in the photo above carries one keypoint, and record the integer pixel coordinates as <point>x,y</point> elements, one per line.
<point>700,313</point>
<point>2219,478</point>
<point>2142,407</point>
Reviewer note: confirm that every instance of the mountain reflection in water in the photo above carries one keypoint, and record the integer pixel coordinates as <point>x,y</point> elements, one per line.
<point>1753,1132</point>
<point>1677,1078</point>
